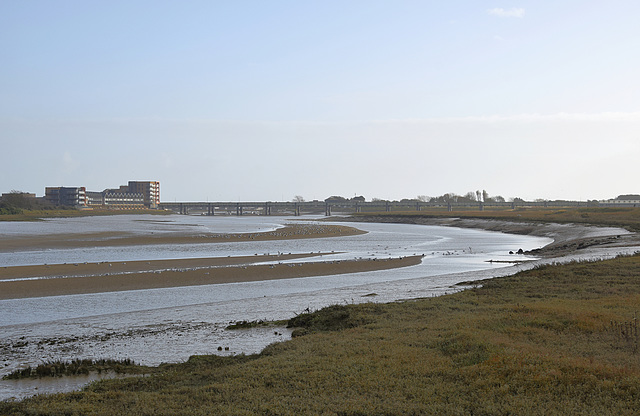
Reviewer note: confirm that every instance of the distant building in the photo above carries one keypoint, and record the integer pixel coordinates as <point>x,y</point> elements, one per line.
<point>621,202</point>
<point>123,200</point>
<point>66,196</point>
<point>135,195</point>
<point>95,198</point>
<point>150,191</point>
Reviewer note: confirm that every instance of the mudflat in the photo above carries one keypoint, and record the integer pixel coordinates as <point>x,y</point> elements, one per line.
<point>54,280</point>
<point>79,278</point>
<point>111,238</point>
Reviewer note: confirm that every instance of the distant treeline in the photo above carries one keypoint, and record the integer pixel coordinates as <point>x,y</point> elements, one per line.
<point>16,202</point>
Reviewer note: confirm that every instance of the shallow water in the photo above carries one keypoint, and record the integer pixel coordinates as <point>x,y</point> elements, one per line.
<point>19,389</point>
<point>168,325</point>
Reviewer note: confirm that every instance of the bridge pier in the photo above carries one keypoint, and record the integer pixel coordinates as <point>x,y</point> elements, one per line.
<point>387,206</point>
<point>238,210</point>
<point>296,210</point>
<point>211,209</point>
<point>449,207</point>
<point>418,206</point>
<point>358,208</point>
<point>327,209</point>
<point>481,206</point>
<point>267,209</point>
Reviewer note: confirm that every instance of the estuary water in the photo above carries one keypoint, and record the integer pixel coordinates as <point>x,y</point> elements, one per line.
<point>169,325</point>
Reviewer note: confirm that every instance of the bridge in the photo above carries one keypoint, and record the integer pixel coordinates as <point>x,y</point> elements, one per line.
<point>347,206</point>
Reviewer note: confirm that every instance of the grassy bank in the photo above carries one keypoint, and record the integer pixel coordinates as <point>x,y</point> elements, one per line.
<point>623,217</point>
<point>38,214</point>
<point>554,340</point>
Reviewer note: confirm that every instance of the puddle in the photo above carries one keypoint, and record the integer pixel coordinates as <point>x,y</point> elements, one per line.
<point>20,389</point>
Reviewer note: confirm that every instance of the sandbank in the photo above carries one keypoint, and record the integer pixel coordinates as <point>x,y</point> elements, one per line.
<point>174,273</point>
<point>112,238</point>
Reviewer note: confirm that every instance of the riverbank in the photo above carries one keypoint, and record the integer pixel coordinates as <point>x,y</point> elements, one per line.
<point>568,237</point>
<point>365,362</point>
<point>553,340</point>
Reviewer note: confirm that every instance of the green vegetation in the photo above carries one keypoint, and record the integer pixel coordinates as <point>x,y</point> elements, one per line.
<point>61,212</point>
<point>255,324</point>
<point>624,217</point>
<point>76,367</point>
<point>555,340</point>
<point>15,202</point>
<point>331,318</point>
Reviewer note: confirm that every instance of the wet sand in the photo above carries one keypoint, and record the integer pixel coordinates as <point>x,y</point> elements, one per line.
<point>175,273</point>
<point>79,278</point>
<point>108,239</point>
<point>129,267</point>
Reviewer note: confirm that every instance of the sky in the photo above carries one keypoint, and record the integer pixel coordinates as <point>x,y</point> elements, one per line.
<point>256,100</point>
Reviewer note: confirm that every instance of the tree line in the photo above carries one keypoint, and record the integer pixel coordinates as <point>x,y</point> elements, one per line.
<point>16,202</point>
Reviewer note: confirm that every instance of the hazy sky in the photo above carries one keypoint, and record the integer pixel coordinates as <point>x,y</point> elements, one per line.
<point>265,100</point>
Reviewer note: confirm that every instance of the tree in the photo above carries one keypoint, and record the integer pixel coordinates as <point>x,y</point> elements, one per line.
<point>335,198</point>
<point>470,196</point>
<point>298,198</point>
<point>423,198</point>
<point>450,197</point>
<point>18,199</point>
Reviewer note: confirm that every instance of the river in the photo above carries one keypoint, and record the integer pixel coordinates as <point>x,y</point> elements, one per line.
<point>169,325</point>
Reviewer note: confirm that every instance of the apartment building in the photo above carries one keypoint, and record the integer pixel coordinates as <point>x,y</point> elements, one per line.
<point>66,196</point>
<point>150,191</point>
<point>137,194</point>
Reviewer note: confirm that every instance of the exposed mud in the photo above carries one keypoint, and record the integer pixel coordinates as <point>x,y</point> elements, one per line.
<point>568,238</point>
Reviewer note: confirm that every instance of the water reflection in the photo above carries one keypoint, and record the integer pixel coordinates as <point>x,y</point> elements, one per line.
<point>19,389</point>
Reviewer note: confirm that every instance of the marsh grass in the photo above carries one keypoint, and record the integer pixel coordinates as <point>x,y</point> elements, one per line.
<point>254,324</point>
<point>623,217</point>
<point>542,342</point>
<point>77,367</point>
